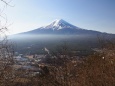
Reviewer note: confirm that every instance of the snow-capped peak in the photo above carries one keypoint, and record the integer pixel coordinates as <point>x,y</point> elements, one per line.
<point>59,24</point>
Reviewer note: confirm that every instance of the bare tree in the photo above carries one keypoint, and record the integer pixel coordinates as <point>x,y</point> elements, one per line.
<point>6,49</point>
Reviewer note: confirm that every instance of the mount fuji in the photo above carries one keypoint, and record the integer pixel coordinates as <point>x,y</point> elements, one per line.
<point>53,34</point>
<point>61,27</point>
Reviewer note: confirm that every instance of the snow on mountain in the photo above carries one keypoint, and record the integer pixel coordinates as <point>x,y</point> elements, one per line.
<point>59,24</point>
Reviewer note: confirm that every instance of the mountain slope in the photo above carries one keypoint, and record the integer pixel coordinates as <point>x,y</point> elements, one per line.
<point>60,26</point>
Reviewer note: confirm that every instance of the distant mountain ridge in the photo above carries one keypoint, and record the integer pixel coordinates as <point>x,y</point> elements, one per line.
<point>61,27</point>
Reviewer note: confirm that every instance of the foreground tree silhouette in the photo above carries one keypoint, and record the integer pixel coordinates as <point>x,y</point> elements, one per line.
<point>6,50</point>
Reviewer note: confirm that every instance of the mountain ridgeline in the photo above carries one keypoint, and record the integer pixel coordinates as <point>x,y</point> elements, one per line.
<point>61,27</point>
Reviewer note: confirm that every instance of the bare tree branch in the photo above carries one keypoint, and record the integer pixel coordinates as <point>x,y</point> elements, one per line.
<point>7,3</point>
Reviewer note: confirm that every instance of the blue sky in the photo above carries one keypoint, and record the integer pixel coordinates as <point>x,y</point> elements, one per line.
<point>27,15</point>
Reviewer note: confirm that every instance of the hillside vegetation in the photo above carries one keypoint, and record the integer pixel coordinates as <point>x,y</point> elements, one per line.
<point>65,69</point>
